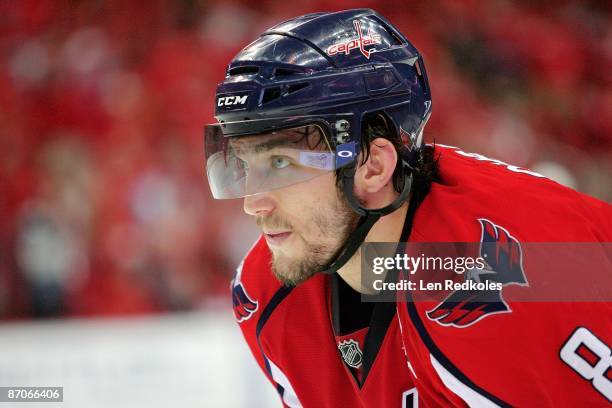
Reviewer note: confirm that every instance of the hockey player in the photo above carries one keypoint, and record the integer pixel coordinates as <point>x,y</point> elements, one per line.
<point>320,125</point>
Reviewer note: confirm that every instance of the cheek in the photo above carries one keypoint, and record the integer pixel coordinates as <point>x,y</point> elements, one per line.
<point>321,191</point>
<point>308,204</point>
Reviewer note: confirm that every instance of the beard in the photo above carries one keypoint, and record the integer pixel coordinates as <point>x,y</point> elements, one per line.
<point>333,228</point>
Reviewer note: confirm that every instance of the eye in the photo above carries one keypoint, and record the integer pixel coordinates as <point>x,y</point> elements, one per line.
<point>280,162</point>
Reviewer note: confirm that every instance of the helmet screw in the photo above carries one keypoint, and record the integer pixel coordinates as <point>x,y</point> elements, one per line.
<point>342,137</point>
<point>342,125</point>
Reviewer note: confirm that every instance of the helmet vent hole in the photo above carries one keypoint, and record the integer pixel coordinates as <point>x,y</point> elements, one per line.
<point>286,72</point>
<point>243,70</point>
<point>271,94</point>
<point>296,87</point>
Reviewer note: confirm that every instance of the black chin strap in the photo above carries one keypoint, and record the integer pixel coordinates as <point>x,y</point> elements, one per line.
<point>368,217</point>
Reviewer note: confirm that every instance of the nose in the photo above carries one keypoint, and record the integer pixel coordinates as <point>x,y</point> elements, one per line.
<point>259,204</point>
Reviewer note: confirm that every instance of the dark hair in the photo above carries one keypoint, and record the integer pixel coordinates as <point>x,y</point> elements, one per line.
<point>424,172</point>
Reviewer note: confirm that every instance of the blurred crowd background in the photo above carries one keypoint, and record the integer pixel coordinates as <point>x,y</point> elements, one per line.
<point>104,205</point>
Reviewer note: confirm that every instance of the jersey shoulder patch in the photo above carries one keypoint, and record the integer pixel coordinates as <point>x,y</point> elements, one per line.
<point>252,282</point>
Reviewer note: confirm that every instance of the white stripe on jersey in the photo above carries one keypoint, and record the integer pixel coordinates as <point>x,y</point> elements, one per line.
<point>289,396</point>
<point>471,397</point>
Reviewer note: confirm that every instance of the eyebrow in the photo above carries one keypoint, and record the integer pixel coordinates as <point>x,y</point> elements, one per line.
<point>261,147</point>
<point>258,148</point>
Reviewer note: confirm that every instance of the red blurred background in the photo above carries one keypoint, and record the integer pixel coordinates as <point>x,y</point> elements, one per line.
<point>104,208</point>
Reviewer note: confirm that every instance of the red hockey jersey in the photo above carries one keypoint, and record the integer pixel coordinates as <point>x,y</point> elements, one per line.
<point>290,332</point>
<point>529,353</point>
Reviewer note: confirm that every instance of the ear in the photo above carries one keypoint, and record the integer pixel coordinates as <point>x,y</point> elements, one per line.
<point>375,175</point>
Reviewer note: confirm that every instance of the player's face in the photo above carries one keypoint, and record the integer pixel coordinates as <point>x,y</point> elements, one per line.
<point>304,224</point>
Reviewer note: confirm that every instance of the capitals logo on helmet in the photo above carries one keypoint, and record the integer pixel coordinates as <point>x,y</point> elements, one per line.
<point>360,42</point>
<point>504,258</point>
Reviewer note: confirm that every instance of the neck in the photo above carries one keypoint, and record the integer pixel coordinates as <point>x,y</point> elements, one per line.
<point>387,229</point>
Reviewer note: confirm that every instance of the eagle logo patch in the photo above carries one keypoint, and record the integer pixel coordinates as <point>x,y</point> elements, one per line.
<point>244,305</point>
<point>504,264</point>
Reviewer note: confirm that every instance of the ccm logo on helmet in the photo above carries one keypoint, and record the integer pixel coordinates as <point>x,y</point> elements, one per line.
<point>232,100</point>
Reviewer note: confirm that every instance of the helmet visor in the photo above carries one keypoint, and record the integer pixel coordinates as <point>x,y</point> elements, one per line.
<point>242,166</point>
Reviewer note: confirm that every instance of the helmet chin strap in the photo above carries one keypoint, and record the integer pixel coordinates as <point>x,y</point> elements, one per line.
<point>369,217</point>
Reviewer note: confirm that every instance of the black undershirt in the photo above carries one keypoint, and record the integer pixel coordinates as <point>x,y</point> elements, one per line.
<point>350,313</point>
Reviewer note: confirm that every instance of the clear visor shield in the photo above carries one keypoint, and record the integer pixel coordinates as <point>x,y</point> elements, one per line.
<point>239,166</point>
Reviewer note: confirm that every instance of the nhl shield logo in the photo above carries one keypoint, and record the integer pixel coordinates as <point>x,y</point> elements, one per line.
<point>351,353</point>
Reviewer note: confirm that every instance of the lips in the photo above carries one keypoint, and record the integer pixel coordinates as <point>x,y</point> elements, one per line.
<point>276,237</point>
